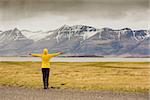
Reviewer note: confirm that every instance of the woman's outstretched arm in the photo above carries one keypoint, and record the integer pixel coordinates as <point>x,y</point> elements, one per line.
<point>55,54</point>
<point>36,55</point>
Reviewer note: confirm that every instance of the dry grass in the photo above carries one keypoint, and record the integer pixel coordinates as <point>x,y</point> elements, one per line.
<point>114,76</point>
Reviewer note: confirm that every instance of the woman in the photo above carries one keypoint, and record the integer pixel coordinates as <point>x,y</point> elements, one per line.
<point>46,65</point>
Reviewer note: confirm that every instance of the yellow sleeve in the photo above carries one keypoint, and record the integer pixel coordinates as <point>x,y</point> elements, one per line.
<point>54,54</point>
<point>36,55</point>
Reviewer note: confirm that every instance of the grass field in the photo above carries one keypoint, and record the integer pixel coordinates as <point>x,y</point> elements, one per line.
<point>113,76</point>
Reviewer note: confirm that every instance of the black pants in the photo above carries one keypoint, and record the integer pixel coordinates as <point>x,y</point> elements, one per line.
<point>45,72</point>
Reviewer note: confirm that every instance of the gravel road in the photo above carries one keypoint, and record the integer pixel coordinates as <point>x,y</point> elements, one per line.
<point>13,93</point>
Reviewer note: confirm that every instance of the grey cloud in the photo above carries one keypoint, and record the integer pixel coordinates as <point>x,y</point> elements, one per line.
<point>20,9</point>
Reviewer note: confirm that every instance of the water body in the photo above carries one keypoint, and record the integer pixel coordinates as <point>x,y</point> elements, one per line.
<point>76,59</point>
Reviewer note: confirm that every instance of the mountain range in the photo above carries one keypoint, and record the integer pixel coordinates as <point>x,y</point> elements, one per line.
<point>77,40</point>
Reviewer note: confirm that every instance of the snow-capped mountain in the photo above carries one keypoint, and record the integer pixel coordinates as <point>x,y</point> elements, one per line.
<point>65,38</point>
<point>75,31</point>
<point>11,41</point>
<point>78,40</point>
<point>117,43</point>
<point>11,35</point>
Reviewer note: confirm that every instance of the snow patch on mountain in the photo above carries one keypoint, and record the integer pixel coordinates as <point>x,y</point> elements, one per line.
<point>87,35</point>
<point>1,31</point>
<point>134,36</point>
<point>37,35</point>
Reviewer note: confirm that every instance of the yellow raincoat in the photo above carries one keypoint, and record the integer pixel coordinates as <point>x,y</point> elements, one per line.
<point>45,58</point>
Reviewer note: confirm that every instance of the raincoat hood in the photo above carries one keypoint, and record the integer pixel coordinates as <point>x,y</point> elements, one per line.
<point>45,51</point>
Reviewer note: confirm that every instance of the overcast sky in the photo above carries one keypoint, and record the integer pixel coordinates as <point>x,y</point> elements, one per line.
<point>52,14</point>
